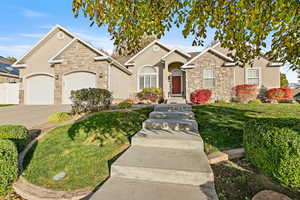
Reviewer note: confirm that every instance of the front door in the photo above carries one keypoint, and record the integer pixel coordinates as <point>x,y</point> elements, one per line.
<point>176,85</point>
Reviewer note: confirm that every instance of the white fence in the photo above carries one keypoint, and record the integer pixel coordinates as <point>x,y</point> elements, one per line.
<point>9,93</point>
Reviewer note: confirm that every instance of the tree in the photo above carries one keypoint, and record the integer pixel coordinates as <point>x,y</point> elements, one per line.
<point>11,59</point>
<point>284,83</point>
<point>298,76</point>
<point>242,25</point>
<point>123,50</point>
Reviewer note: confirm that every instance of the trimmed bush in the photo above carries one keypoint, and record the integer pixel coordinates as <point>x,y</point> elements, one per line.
<point>201,96</point>
<point>16,133</point>
<point>280,94</point>
<point>151,94</point>
<point>59,117</point>
<point>255,101</point>
<point>90,100</point>
<point>273,145</point>
<point>124,105</point>
<point>244,93</point>
<point>8,165</point>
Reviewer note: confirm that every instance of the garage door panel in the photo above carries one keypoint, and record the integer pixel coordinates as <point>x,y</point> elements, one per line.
<point>40,90</point>
<point>77,81</point>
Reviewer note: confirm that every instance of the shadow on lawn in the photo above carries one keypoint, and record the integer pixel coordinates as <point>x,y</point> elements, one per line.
<point>112,126</point>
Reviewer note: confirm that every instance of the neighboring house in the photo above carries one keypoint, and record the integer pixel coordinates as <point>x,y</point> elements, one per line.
<point>61,62</point>
<point>8,74</point>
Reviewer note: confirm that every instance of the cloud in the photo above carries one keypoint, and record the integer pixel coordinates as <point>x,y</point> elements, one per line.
<point>13,50</point>
<point>5,38</point>
<point>47,26</point>
<point>31,13</point>
<point>31,35</point>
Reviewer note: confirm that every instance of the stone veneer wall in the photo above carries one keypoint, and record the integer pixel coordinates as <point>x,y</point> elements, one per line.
<point>224,77</point>
<point>79,58</point>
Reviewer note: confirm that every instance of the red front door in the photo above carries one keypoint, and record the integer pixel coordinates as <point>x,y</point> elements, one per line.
<point>176,85</point>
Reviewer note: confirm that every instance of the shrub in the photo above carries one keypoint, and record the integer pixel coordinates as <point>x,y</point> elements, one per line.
<point>280,94</point>
<point>255,101</point>
<point>59,117</point>
<point>124,104</point>
<point>16,133</point>
<point>245,93</point>
<point>8,165</point>
<point>90,100</point>
<point>152,94</point>
<point>222,101</point>
<point>201,96</point>
<point>273,145</point>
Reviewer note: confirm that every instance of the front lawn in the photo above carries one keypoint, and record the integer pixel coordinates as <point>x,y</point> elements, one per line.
<point>3,105</point>
<point>82,150</point>
<point>221,125</point>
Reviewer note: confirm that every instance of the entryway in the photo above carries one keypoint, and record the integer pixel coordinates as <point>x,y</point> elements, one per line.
<point>177,82</point>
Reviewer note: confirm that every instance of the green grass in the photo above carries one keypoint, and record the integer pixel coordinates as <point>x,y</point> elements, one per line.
<point>82,150</point>
<point>3,105</point>
<point>221,125</point>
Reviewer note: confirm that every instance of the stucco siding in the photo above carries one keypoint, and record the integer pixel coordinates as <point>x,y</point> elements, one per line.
<point>119,83</point>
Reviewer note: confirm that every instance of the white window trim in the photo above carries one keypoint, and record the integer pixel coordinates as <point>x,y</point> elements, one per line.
<point>214,78</point>
<point>259,75</point>
<point>139,73</point>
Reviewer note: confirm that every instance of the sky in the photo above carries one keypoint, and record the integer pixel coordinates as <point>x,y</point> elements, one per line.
<point>23,23</point>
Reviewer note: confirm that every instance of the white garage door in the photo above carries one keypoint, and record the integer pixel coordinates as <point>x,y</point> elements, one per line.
<point>77,81</point>
<point>40,90</point>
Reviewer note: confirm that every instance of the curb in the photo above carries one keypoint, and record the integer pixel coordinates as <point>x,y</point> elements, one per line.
<point>221,156</point>
<point>32,192</point>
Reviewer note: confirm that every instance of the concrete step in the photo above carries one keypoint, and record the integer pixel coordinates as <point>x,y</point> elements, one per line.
<point>164,165</point>
<point>127,189</point>
<point>171,124</point>
<point>176,100</point>
<point>173,107</point>
<point>172,115</point>
<point>167,139</point>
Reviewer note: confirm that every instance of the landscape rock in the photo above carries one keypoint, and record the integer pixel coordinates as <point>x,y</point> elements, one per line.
<point>270,195</point>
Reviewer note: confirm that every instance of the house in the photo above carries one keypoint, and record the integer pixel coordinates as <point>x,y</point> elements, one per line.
<point>8,74</point>
<point>61,62</point>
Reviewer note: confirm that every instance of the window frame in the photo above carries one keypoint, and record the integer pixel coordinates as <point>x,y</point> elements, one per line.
<point>247,75</point>
<point>140,73</point>
<point>210,78</point>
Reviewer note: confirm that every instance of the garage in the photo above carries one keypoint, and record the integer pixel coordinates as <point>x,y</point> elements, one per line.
<point>40,90</point>
<point>77,81</point>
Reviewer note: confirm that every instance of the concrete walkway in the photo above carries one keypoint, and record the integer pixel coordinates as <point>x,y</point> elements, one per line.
<point>29,115</point>
<point>165,162</point>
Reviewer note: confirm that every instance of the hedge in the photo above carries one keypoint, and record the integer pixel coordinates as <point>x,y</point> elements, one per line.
<point>280,94</point>
<point>59,117</point>
<point>244,93</point>
<point>16,133</point>
<point>273,145</point>
<point>154,95</point>
<point>201,96</point>
<point>90,100</point>
<point>124,105</point>
<point>8,165</point>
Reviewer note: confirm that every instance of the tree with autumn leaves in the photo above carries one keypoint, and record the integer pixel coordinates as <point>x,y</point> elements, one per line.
<point>242,25</point>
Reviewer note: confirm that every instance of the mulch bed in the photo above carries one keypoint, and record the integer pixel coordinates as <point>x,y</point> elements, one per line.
<point>239,180</point>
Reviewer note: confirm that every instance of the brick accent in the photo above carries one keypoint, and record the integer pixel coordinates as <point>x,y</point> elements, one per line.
<point>224,77</point>
<point>79,58</point>
<point>21,96</point>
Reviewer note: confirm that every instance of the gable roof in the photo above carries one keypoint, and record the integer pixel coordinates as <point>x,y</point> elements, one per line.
<point>102,56</point>
<point>128,62</point>
<point>212,50</point>
<point>56,27</point>
<point>179,51</point>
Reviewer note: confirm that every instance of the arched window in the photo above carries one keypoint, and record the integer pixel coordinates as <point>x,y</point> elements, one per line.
<point>148,77</point>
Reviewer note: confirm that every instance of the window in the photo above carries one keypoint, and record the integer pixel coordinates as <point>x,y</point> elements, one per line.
<point>208,78</point>
<point>148,78</point>
<point>253,76</point>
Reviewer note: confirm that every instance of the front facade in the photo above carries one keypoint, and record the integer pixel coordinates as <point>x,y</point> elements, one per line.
<point>62,62</point>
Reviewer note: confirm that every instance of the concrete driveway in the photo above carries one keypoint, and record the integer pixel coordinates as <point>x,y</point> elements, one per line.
<point>29,115</point>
